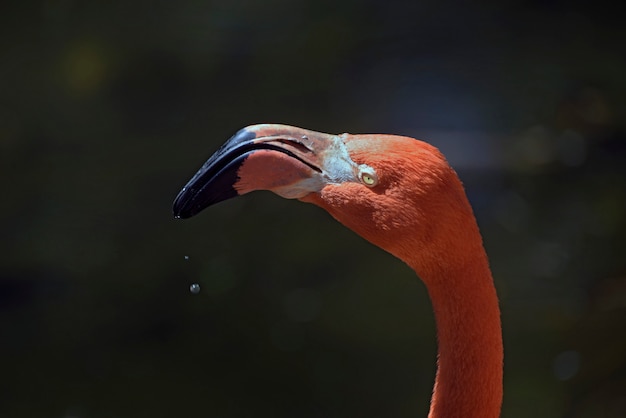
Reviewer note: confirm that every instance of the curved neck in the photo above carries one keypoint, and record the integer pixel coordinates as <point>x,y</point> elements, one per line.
<point>442,243</point>
<point>470,353</point>
<point>469,372</point>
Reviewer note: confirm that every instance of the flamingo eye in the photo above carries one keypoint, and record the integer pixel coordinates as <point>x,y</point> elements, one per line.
<point>368,176</point>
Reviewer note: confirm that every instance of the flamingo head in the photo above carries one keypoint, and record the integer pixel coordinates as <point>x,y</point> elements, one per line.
<point>391,190</point>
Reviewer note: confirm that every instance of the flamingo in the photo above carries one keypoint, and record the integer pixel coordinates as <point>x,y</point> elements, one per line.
<point>400,194</point>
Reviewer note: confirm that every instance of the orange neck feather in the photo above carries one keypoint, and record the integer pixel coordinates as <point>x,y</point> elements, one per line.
<point>470,352</point>
<point>435,233</point>
<point>456,272</point>
<point>469,374</point>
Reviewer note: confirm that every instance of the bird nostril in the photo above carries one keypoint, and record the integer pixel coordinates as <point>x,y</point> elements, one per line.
<point>300,145</point>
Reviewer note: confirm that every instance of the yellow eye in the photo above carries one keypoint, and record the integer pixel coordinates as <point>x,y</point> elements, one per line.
<point>368,177</point>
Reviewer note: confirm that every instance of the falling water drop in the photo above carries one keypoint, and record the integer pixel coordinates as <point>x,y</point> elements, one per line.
<point>186,257</point>
<point>194,288</point>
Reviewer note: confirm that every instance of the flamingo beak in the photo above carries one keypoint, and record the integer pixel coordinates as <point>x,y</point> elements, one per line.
<point>289,161</point>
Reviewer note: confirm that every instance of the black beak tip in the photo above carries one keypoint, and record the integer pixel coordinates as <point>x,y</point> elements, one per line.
<point>181,215</point>
<point>179,208</point>
<point>214,181</point>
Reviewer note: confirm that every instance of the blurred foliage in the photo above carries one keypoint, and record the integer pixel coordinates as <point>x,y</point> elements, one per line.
<point>107,108</point>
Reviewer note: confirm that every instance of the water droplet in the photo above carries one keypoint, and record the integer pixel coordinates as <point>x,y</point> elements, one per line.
<point>194,288</point>
<point>186,257</point>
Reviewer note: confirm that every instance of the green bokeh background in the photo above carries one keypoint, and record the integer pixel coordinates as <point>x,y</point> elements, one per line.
<point>107,108</point>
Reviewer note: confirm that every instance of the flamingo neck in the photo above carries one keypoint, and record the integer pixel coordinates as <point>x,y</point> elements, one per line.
<point>442,243</point>
<point>470,353</point>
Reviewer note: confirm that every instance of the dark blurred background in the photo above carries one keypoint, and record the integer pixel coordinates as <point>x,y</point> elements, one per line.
<point>107,108</point>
